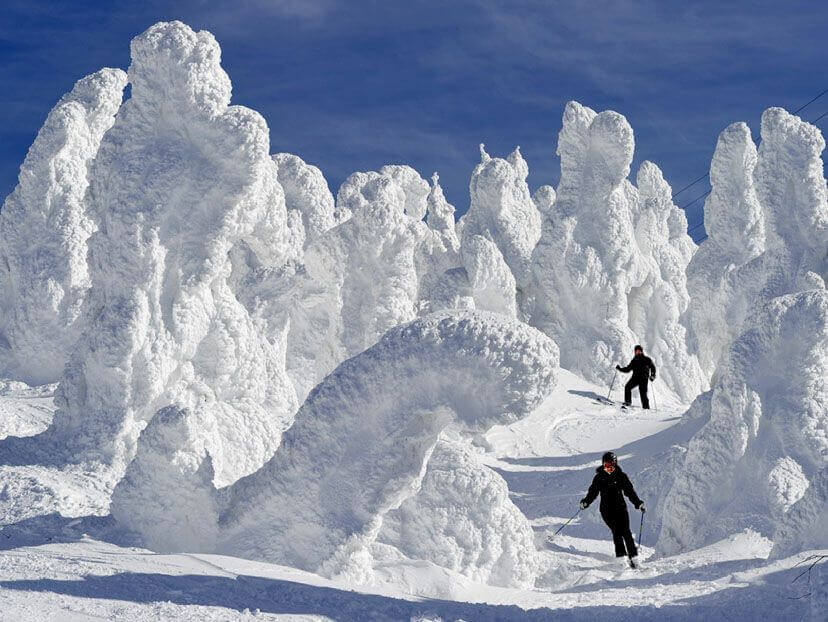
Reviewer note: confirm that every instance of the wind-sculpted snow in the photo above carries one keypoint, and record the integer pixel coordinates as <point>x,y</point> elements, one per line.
<point>492,283</point>
<point>181,181</point>
<point>763,453</point>
<point>767,221</point>
<point>44,229</point>
<point>443,283</point>
<point>502,210</point>
<point>585,263</point>
<point>307,192</point>
<point>608,270</point>
<point>462,518</point>
<point>361,441</point>
<point>656,306</point>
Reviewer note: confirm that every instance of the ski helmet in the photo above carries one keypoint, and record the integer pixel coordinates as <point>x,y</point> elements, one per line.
<point>638,347</point>
<point>609,458</point>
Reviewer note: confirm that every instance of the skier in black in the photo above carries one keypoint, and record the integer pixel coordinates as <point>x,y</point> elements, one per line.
<point>643,371</point>
<point>612,483</point>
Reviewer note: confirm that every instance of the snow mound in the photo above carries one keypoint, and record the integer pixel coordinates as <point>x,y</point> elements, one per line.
<point>181,183</point>
<point>44,230</point>
<point>361,441</point>
<point>761,454</point>
<point>462,519</point>
<point>608,269</point>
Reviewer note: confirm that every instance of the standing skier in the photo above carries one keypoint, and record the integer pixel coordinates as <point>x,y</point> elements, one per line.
<point>612,483</point>
<point>643,371</point>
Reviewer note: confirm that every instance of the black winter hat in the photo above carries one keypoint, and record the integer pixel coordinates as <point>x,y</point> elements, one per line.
<point>638,347</point>
<point>609,457</point>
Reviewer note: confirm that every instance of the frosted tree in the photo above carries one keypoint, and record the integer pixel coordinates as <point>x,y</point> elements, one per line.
<point>503,212</point>
<point>180,181</point>
<point>44,231</point>
<point>767,439</point>
<point>586,262</point>
<point>735,227</point>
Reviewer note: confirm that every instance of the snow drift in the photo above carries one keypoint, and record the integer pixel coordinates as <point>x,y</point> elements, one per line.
<point>44,229</point>
<point>358,447</point>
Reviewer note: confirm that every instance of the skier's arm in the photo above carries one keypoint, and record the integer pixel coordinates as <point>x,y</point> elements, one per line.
<point>652,370</point>
<point>592,492</point>
<point>627,487</point>
<point>624,369</point>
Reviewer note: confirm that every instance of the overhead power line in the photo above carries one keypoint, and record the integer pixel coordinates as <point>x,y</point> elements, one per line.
<point>707,174</point>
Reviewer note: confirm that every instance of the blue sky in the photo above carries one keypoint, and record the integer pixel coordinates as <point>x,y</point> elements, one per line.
<point>354,85</point>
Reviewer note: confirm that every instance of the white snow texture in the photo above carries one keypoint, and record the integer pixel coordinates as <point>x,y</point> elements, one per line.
<point>265,370</point>
<point>358,448</point>
<point>761,459</point>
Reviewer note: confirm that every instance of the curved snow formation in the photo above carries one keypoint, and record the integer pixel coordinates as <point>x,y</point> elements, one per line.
<point>44,229</point>
<point>766,442</point>
<point>502,211</point>
<point>462,518</point>
<point>360,443</point>
<point>181,183</point>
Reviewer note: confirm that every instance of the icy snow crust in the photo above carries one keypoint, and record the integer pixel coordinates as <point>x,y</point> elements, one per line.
<point>189,291</point>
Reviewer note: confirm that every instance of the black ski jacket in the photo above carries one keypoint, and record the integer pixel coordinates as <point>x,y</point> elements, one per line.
<point>642,367</point>
<point>612,488</point>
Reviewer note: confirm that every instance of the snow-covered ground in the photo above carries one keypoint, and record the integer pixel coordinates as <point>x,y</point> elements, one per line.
<point>75,565</point>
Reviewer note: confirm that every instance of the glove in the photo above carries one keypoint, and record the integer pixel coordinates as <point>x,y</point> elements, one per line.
<point>584,504</point>
<point>642,508</point>
<point>652,376</point>
<point>618,367</point>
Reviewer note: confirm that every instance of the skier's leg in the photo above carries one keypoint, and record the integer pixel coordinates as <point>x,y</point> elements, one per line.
<point>617,534</point>
<point>628,391</point>
<point>642,389</point>
<point>629,541</point>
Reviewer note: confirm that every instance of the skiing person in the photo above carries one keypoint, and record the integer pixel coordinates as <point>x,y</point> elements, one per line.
<point>612,483</point>
<point>643,370</point>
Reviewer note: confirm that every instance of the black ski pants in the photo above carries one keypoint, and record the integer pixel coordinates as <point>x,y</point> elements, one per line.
<point>618,520</point>
<point>641,383</point>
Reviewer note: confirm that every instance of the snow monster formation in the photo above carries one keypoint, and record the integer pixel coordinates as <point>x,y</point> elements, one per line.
<point>180,181</point>
<point>761,459</point>
<point>608,270</point>
<point>503,213</point>
<point>735,226</point>
<point>462,518</point>
<point>358,448</point>
<point>44,230</point>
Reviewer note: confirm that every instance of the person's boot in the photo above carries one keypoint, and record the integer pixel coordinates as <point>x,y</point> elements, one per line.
<point>634,562</point>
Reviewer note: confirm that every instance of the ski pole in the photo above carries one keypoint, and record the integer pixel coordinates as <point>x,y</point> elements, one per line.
<point>612,384</point>
<point>641,529</point>
<point>564,525</point>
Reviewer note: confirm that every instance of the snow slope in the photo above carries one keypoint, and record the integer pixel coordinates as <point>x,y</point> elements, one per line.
<point>55,567</point>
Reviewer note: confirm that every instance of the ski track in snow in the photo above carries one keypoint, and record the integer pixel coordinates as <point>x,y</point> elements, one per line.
<point>55,567</point>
